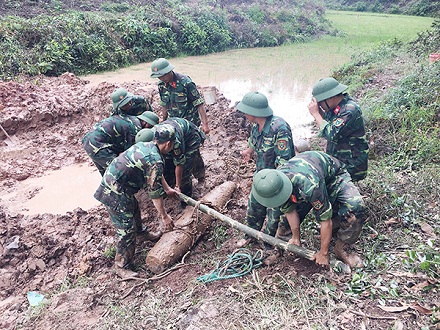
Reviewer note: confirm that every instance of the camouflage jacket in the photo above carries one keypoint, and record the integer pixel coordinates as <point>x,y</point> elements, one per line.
<point>188,139</point>
<point>273,144</point>
<point>116,133</point>
<point>344,130</point>
<point>181,98</point>
<point>139,104</point>
<point>315,178</point>
<point>139,167</point>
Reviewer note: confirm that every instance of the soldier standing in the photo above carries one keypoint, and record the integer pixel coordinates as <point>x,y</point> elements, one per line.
<point>180,98</point>
<point>341,123</point>
<point>139,167</point>
<point>318,181</point>
<point>179,95</point>
<point>271,141</point>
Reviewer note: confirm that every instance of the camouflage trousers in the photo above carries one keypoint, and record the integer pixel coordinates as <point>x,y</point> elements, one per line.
<point>193,166</point>
<point>256,215</point>
<point>349,211</point>
<point>101,158</point>
<point>127,221</point>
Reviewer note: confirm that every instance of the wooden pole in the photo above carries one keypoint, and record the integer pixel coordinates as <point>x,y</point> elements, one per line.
<point>300,251</point>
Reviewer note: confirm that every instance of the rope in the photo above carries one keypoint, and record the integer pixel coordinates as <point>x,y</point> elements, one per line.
<point>239,263</point>
<point>186,228</point>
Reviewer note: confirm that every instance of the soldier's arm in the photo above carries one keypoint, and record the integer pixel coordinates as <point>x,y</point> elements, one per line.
<point>343,125</point>
<point>165,220</point>
<point>284,149</point>
<point>315,112</point>
<point>202,112</point>
<point>294,223</point>
<point>321,257</point>
<point>178,173</point>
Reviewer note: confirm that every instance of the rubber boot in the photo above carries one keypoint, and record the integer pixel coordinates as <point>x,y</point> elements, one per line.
<point>123,263</point>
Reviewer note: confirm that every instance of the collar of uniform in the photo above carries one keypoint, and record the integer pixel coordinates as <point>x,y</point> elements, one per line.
<point>267,123</point>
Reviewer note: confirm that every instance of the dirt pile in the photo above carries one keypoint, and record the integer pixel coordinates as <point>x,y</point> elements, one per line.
<point>46,119</point>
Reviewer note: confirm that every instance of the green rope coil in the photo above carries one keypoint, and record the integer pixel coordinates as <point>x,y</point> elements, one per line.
<point>239,263</point>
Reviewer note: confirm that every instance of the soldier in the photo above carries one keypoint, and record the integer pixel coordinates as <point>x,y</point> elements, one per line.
<point>179,95</point>
<point>318,181</point>
<point>139,167</point>
<point>340,122</point>
<point>271,141</point>
<point>113,135</point>
<point>125,103</point>
<point>179,164</point>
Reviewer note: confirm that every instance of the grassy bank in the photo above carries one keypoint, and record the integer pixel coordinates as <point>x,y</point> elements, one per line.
<point>115,36</point>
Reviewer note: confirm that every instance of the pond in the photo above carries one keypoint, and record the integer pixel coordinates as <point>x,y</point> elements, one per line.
<point>285,74</point>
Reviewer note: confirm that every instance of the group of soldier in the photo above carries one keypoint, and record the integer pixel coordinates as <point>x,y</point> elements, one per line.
<point>133,151</point>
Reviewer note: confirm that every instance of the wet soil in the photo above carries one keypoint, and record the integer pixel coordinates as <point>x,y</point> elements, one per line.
<point>66,256</point>
<point>45,119</point>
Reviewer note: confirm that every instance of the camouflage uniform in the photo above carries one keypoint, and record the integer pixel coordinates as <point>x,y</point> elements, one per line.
<point>139,104</point>
<point>186,149</point>
<point>320,182</point>
<point>343,128</point>
<point>274,147</point>
<point>108,138</point>
<point>139,167</point>
<point>181,98</point>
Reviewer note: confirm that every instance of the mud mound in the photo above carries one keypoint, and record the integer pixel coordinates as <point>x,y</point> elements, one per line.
<point>45,119</point>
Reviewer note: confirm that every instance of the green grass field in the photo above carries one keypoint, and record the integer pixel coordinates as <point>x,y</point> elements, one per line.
<point>362,28</point>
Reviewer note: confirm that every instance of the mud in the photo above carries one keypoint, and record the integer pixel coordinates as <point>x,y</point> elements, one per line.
<point>46,118</point>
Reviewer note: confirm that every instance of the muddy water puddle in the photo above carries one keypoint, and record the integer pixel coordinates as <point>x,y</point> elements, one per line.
<point>284,74</point>
<point>57,192</point>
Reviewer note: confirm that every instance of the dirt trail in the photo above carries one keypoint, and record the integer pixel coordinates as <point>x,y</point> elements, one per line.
<point>49,116</point>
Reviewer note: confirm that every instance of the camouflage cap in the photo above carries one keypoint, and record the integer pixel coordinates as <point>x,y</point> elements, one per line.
<point>165,133</point>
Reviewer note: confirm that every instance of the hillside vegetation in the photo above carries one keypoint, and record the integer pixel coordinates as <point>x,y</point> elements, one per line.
<point>96,36</point>
<point>411,7</point>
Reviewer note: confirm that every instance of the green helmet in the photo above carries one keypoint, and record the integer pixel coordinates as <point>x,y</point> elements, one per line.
<point>149,117</point>
<point>145,135</point>
<point>121,97</point>
<point>326,88</point>
<point>160,67</point>
<point>165,133</point>
<point>255,104</point>
<point>271,188</point>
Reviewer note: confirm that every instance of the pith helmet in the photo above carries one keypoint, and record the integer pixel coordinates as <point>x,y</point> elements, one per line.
<point>121,97</point>
<point>255,104</point>
<point>271,188</point>
<point>165,133</point>
<point>145,135</point>
<point>149,117</point>
<point>326,88</point>
<point>160,67</point>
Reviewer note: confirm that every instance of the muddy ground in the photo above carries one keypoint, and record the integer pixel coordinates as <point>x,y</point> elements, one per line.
<point>65,257</point>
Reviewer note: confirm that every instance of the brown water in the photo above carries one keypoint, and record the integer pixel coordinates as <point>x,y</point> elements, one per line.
<point>57,192</point>
<point>284,74</point>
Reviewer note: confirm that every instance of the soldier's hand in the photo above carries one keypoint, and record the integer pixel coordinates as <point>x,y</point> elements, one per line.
<point>247,154</point>
<point>173,193</point>
<point>166,224</point>
<point>205,129</point>
<point>321,258</point>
